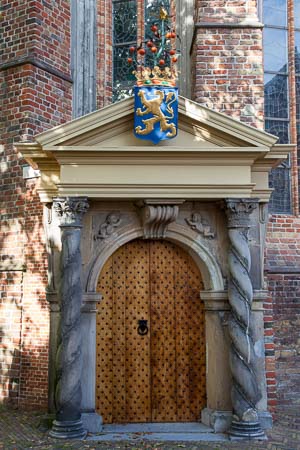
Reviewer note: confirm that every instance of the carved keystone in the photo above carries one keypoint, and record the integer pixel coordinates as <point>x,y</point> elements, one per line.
<point>157,215</point>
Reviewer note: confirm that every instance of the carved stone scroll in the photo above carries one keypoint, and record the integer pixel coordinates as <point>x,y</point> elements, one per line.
<point>157,215</point>
<point>107,228</point>
<point>68,422</point>
<point>198,224</point>
<point>245,391</point>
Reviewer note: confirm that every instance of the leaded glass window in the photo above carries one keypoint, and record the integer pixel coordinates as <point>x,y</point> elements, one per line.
<point>298,97</point>
<point>297,13</point>
<point>276,96</point>
<point>275,50</point>
<point>124,35</point>
<point>275,12</point>
<point>130,30</point>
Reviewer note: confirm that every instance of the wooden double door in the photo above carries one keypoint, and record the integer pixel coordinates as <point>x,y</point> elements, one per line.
<point>150,336</point>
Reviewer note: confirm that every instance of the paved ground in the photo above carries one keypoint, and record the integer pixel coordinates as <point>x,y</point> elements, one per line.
<point>22,431</point>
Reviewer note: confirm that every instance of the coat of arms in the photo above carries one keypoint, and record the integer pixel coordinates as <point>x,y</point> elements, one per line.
<point>155,92</point>
<point>155,113</point>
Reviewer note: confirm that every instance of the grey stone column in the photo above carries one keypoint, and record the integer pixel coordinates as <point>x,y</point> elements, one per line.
<point>68,424</point>
<point>92,421</point>
<point>243,360</point>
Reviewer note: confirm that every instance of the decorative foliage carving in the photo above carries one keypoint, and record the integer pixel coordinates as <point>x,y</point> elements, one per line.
<point>245,390</point>
<point>107,228</point>
<point>156,218</point>
<point>200,225</point>
<point>70,210</point>
<point>238,211</point>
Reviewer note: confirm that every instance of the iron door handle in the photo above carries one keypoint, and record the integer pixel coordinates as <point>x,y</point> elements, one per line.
<point>142,327</point>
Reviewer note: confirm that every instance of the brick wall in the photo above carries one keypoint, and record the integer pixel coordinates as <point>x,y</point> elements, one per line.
<point>283,276</point>
<point>227,72</point>
<point>37,29</point>
<point>104,53</point>
<point>35,95</point>
<point>228,11</point>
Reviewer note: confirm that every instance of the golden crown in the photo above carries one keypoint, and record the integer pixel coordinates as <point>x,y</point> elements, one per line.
<point>146,76</point>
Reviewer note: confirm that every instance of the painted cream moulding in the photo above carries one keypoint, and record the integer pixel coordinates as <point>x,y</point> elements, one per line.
<point>233,162</point>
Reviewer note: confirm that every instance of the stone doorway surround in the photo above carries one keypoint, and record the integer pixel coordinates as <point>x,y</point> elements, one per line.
<point>206,191</point>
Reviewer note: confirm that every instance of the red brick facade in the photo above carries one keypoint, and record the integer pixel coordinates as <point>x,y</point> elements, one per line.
<point>36,95</point>
<point>283,270</point>
<point>228,74</point>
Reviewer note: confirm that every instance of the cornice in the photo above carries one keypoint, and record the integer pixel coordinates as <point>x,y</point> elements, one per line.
<point>225,156</point>
<point>138,191</point>
<point>35,155</point>
<point>34,61</point>
<point>244,24</point>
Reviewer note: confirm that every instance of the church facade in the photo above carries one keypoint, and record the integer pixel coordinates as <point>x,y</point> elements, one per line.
<point>141,282</point>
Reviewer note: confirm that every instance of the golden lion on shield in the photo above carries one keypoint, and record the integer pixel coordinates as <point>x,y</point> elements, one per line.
<point>153,106</point>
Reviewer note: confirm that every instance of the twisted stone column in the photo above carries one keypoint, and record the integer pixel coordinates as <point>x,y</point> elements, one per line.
<point>68,424</point>
<point>245,391</point>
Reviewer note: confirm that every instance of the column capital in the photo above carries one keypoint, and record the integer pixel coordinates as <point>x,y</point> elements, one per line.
<point>238,211</point>
<point>70,210</point>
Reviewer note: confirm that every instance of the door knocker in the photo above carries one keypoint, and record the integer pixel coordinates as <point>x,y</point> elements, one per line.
<point>143,327</point>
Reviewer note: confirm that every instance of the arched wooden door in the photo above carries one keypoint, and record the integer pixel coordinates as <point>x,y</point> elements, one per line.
<point>153,374</point>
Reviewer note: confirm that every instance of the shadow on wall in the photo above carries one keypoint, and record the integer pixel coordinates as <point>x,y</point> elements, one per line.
<point>24,311</point>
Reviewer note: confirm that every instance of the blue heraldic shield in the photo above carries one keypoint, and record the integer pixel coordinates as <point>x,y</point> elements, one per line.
<point>155,112</point>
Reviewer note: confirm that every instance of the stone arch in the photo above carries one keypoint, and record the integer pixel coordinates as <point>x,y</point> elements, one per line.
<point>178,234</point>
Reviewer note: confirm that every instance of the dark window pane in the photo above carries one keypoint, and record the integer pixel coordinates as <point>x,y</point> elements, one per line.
<point>275,50</point>
<point>276,96</point>
<point>124,31</point>
<point>124,21</point>
<point>278,128</point>
<point>298,97</point>
<point>297,13</point>
<point>122,70</point>
<point>275,12</point>
<point>297,51</point>
<point>279,179</point>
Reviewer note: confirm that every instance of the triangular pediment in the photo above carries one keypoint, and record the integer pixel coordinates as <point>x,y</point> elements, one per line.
<point>112,126</point>
<point>98,156</point>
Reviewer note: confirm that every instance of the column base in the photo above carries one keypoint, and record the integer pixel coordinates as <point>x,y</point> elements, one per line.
<point>245,430</point>
<point>219,421</point>
<point>92,422</point>
<point>68,429</point>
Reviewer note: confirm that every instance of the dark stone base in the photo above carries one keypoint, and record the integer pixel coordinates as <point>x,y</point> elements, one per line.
<point>72,429</point>
<point>245,430</point>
